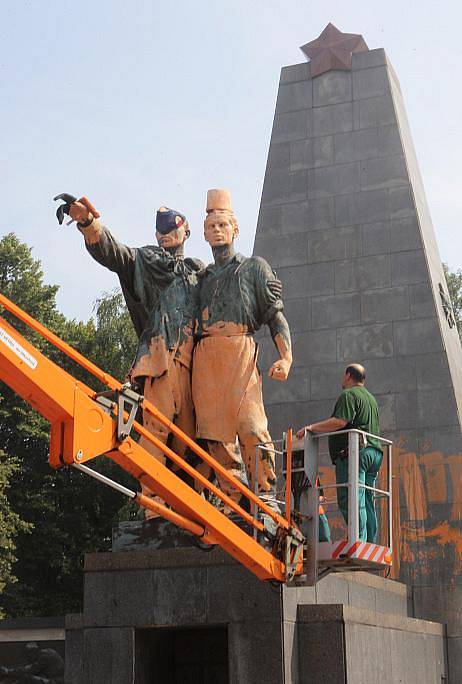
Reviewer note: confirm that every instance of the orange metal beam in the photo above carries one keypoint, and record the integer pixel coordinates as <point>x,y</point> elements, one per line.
<point>116,385</point>
<point>82,429</point>
<point>31,375</point>
<point>58,343</point>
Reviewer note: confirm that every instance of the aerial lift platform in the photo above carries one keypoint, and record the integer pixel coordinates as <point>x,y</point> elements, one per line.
<point>86,424</point>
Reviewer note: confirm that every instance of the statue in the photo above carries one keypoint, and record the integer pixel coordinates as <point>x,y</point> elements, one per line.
<point>238,295</point>
<point>44,666</point>
<point>161,289</point>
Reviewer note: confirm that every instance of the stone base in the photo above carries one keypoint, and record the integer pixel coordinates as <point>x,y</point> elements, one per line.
<point>189,616</point>
<point>340,643</point>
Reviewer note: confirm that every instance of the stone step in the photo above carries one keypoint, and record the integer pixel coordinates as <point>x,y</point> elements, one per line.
<point>340,643</point>
<point>359,589</point>
<point>366,591</point>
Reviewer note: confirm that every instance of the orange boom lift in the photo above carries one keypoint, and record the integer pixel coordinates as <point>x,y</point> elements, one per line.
<point>86,424</point>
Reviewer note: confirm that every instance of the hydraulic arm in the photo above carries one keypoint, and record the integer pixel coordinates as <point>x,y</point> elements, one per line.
<point>85,424</point>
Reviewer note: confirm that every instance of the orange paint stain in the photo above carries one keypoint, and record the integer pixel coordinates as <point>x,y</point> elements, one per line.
<point>413,485</point>
<point>435,477</point>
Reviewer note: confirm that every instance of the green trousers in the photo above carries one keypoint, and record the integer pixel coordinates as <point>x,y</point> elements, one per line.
<point>324,529</point>
<point>370,460</point>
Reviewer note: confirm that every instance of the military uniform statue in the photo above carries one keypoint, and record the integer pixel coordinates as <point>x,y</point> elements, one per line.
<point>238,296</point>
<point>161,289</point>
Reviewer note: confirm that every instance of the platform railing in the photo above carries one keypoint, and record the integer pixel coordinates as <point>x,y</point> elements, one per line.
<point>305,461</point>
<point>354,485</point>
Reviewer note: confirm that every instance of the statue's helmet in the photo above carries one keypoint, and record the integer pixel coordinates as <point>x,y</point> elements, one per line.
<point>169,219</point>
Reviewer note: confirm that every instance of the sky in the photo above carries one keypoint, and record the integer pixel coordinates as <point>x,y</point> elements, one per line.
<point>143,103</point>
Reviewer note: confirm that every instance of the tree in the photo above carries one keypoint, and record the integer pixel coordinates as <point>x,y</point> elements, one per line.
<point>454,283</point>
<point>69,513</point>
<point>10,524</point>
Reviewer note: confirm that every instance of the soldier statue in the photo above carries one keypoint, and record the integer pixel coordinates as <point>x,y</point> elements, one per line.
<point>238,295</point>
<point>161,289</point>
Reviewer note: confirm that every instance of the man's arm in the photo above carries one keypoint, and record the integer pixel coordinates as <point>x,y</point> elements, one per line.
<point>280,333</point>
<point>327,425</point>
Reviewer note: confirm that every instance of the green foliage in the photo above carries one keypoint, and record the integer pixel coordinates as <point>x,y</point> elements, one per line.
<point>115,336</point>
<point>10,524</point>
<point>454,283</point>
<point>21,280</point>
<point>68,513</point>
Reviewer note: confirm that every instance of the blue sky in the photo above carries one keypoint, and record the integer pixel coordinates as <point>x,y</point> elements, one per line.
<point>138,104</point>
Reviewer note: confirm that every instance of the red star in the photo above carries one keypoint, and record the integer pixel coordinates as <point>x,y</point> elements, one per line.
<point>333,50</point>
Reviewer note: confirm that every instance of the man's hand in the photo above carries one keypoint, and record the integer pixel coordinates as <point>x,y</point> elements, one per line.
<point>280,370</point>
<point>301,433</point>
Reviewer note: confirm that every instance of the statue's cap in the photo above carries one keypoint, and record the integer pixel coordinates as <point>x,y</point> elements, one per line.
<point>218,200</point>
<point>168,219</point>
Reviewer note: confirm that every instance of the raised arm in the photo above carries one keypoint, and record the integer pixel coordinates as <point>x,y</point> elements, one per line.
<point>328,425</point>
<point>100,243</point>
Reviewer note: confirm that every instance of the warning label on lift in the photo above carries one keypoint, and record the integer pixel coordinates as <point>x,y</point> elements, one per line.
<point>17,349</point>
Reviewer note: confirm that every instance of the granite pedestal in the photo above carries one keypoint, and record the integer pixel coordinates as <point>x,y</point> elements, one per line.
<point>191,616</point>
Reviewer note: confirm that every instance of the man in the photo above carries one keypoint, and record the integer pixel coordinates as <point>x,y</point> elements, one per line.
<point>161,289</point>
<point>355,408</point>
<point>238,296</point>
<point>44,666</point>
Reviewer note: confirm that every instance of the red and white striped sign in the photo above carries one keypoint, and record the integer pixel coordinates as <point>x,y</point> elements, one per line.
<point>359,549</point>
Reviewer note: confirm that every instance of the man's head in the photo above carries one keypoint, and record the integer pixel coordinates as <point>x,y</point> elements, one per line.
<point>220,225</point>
<point>172,228</point>
<point>32,651</point>
<point>354,375</point>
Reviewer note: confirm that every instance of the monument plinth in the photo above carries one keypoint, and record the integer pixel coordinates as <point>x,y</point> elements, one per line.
<point>182,615</point>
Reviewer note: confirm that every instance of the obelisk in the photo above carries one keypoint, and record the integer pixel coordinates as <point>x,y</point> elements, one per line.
<point>345,222</point>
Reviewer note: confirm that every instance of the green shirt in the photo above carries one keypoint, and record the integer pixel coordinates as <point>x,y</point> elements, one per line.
<point>359,408</point>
